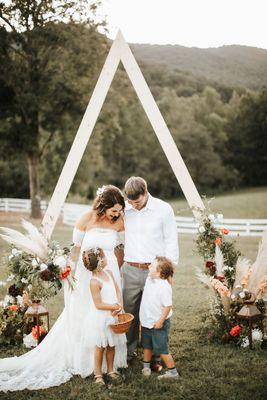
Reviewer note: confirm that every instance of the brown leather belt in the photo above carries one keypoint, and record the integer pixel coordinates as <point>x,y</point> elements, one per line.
<point>139,265</point>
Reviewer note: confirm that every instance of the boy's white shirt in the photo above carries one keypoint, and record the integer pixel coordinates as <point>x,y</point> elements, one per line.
<point>157,294</point>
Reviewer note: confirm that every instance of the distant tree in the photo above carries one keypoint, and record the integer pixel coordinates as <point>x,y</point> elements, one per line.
<point>248,138</point>
<point>43,52</point>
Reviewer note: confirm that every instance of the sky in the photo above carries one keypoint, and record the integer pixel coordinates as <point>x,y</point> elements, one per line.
<point>190,23</point>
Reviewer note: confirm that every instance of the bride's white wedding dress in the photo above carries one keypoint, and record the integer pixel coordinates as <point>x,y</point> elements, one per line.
<point>68,349</point>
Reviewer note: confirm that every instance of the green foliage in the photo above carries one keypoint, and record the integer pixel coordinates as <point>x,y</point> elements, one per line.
<point>48,70</point>
<point>247,144</point>
<point>237,66</point>
<point>12,326</point>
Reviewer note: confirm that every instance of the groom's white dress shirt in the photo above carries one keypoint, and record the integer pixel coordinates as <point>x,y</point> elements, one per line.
<point>150,232</point>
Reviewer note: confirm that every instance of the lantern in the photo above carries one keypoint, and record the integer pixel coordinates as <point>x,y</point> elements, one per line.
<point>36,311</point>
<point>248,312</point>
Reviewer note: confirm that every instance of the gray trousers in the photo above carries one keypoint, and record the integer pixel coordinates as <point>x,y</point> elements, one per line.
<point>133,282</point>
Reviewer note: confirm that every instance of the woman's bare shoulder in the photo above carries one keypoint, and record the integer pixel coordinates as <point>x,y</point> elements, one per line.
<point>120,224</point>
<point>83,222</point>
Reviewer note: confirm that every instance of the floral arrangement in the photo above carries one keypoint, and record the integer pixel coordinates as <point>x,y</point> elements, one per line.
<point>37,269</point>
<point>233,282</point>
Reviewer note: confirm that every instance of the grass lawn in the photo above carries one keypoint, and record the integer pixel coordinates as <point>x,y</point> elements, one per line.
<point>208,371</point>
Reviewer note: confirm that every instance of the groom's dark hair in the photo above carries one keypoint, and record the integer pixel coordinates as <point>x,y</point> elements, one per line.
<point>135,186</point>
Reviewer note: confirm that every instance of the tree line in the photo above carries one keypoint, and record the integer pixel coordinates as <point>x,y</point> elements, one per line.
<point>49,64</point>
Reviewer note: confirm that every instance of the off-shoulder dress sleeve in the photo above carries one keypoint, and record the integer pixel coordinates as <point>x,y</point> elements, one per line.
<point>77,237</point>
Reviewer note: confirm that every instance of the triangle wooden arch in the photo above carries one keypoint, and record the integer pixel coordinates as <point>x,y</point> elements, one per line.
<point>120,51</point>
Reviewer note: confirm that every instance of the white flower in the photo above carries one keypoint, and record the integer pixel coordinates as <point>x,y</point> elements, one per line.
<point>257,335</point>
<point>30,286</point>
<point>100,190</point>
<point>226,268</point>
<point>34,262</point>
<point>242,295</point>
<point>10,278</point>
<point>60,261</point>
<point>7,300</point>
<point>29,341</point>
<point>201,229</point>
<point>20,300</point>
<point>233,296</point>
<point>24,280</point>
<point>230,268</point>
<point>14,252</point>
<point>245,342</point>
<point>212,217</point>
<point>43,266</point>
<point>219,217</point>
<point>10,257</point>
<point>2,283</point>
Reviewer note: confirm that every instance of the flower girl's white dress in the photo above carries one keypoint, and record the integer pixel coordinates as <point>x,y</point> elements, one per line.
<point>68,349</point>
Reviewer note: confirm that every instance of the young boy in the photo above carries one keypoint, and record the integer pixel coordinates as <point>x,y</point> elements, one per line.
<point>155,313</point>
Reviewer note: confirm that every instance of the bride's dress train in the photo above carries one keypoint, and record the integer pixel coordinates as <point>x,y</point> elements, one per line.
<point>68,349</point>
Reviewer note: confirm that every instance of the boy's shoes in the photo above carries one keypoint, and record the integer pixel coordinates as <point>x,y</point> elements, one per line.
<point>169,375</point>
<point>146,371</point>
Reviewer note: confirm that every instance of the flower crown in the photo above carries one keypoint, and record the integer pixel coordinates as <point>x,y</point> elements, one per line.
<point>100,190</point>
<point>97,252</point>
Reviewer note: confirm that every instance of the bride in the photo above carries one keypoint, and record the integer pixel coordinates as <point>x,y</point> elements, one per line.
<point>64,351</point>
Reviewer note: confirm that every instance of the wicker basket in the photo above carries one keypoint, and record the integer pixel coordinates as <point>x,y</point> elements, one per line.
<point>123,324</point>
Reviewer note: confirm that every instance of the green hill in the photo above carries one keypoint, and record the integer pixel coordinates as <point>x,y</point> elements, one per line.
<point>230,65</point>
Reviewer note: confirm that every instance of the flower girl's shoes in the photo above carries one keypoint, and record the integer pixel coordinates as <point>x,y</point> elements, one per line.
<point>169,375</point>
<point>114,375</point>
<point>98,379</point>
<point>146,371</point>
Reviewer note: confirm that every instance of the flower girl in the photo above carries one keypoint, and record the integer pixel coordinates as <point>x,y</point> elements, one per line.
<point>107,300</point>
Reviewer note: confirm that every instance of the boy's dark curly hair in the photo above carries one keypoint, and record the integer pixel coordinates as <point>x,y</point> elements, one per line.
<point>165,267</point>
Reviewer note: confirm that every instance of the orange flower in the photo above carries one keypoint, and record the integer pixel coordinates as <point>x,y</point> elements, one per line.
<point>14,307</point>
<point>64,274</point>
<point>225,231</point>
<point>35,330</point>
<point>218,240</point>
<point>235,331</point>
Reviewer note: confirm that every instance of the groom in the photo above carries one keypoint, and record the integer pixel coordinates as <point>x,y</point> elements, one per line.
<point>150,231</point>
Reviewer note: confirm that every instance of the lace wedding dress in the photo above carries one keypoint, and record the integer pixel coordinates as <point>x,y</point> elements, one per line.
<point>68,349</point>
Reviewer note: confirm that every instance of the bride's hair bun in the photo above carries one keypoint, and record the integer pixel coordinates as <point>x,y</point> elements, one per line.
<point>92,258</point>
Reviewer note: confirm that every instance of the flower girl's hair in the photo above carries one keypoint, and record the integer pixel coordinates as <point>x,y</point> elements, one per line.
<point>93,259</point>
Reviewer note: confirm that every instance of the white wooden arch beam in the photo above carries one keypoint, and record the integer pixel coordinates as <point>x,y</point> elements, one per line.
<point>120,51</point>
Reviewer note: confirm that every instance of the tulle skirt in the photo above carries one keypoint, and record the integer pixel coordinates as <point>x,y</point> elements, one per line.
<point>69,347</point>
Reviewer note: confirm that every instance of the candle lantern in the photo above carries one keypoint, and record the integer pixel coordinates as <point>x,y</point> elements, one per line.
<point>248,313</point>
<point>36,311</point>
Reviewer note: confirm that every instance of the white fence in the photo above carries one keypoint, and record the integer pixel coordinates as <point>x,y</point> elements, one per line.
<point>71,211</point>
